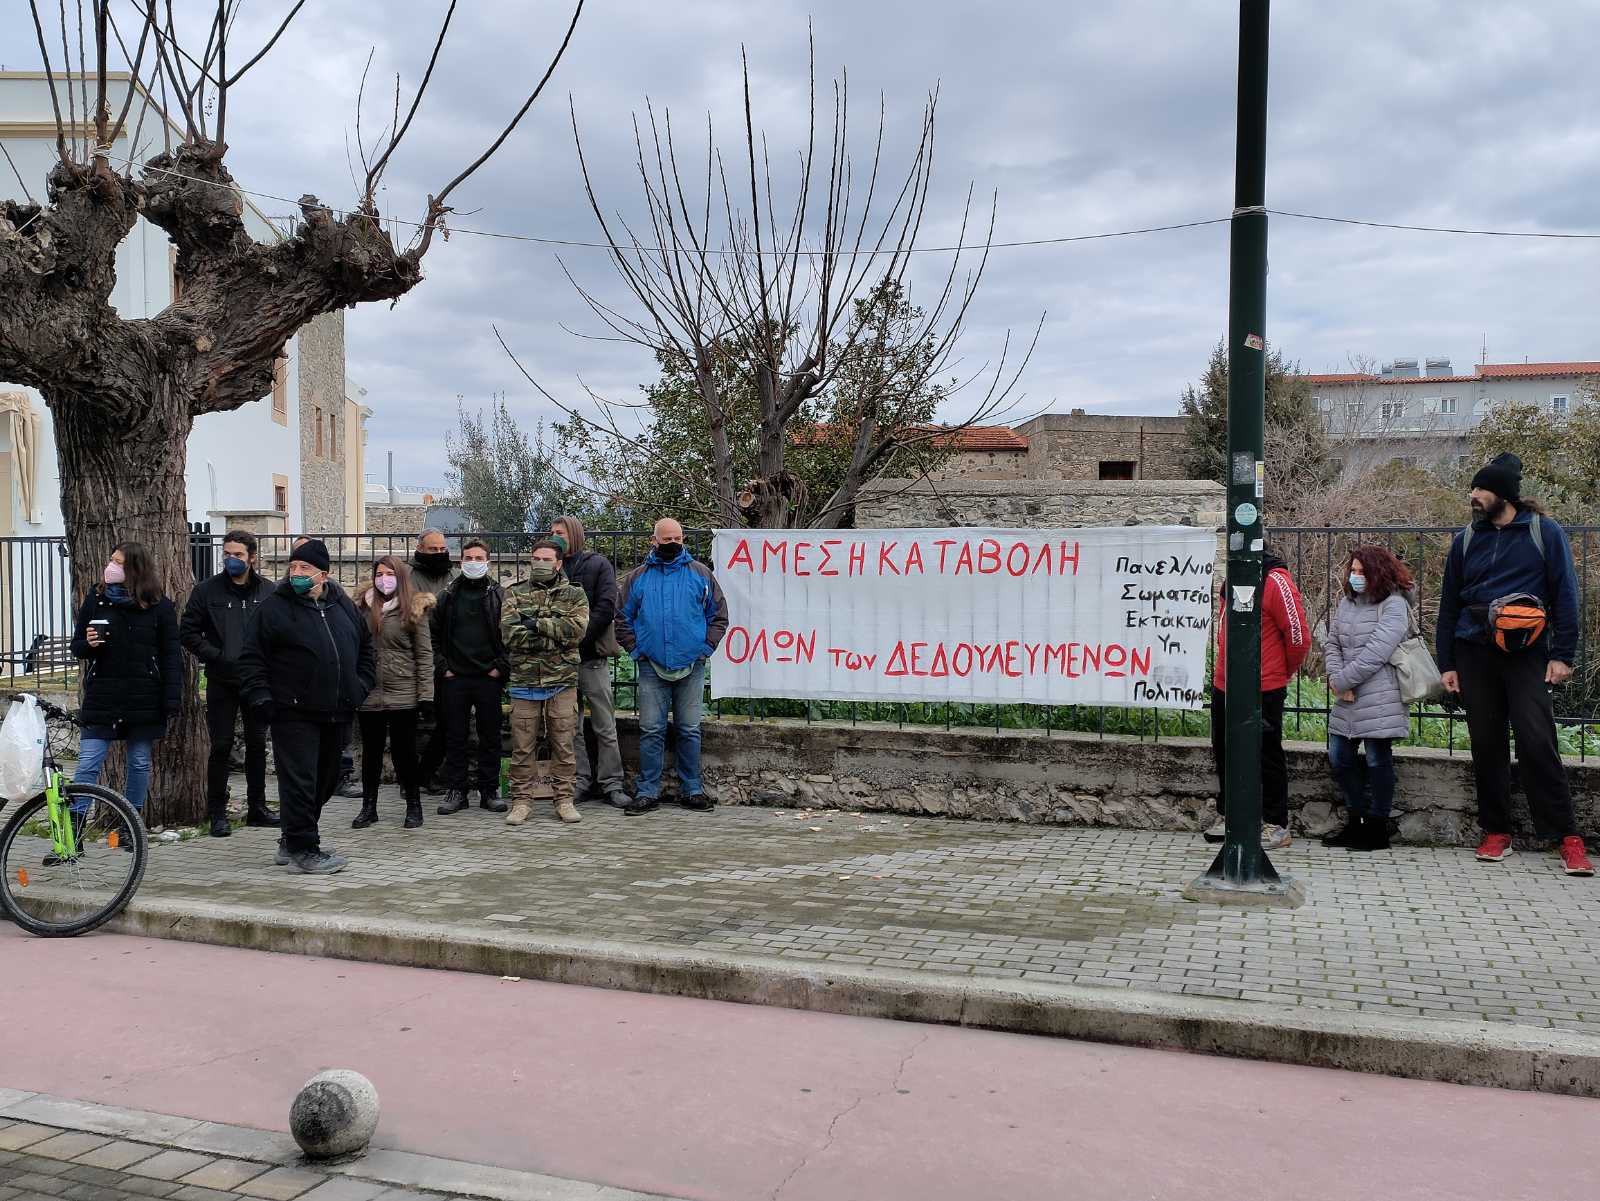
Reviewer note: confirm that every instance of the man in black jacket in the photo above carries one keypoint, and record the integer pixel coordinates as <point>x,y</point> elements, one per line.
<point>307,665</point>
<point>212,631</point>
<point>601,772</point>
<point>468,650</point>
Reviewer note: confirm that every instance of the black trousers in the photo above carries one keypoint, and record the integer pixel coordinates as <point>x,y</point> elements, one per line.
<point>467,700</point>
<point>307,757</point>
<point>399,728</point>
<point>1274,766</point>
<point>222,708</point>
<point>431,738</point>
<point>1506,694</point>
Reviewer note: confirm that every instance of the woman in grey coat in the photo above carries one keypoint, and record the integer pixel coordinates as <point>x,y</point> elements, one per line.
<point>1372,619</point>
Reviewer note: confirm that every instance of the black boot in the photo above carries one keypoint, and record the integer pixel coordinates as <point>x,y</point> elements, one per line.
<point>1350,835</point>
<point>260,815</point>
<point>217,815</point>
<point>489,798</point>
<point>1374,835</point>
<point>454,802</point>
<point>413,797</point>
<point>369,812</point>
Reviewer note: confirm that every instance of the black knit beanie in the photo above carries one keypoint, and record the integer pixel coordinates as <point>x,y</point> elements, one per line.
<point>313,551</point>
<point>1502,475</point>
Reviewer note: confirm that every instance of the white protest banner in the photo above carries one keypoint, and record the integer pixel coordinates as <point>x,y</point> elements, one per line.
<point>1116,616</point>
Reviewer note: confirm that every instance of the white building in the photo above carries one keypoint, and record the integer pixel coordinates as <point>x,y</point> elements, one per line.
<point>293,461</point>
<point>1425,412</point>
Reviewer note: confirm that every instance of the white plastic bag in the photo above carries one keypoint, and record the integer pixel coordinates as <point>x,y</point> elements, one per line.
<point>22,751</point>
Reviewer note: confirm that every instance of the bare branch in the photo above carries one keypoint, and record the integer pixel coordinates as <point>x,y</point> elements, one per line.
<point>375,172</point>
<point>229,80</point>
<point>102,107</point>
<point>26,195</point>
<point>436,204</point>
<point>135,63</point>
<point>66,59</point>
<point>50,78</point>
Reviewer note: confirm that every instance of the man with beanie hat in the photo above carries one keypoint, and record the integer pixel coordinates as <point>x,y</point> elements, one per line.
<point>306,666</point>
<point>1512,549</point>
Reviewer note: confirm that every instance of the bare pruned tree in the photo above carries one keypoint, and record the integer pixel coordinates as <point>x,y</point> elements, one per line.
<point>718,265</point>
<point>123,391</point>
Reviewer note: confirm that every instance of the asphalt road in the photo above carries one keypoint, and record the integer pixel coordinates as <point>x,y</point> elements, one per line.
<point>728,1103</point>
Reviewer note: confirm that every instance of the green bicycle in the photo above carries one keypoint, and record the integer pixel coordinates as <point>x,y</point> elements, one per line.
<point>72,857</point>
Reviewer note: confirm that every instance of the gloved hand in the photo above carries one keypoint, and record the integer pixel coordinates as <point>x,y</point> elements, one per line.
<point>425,710</point>
<point>262,711</point>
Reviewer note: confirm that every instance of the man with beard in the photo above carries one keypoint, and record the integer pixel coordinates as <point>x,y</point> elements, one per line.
<point>1497,653</point>
<point>431,572</point>
<point>1285,641</point>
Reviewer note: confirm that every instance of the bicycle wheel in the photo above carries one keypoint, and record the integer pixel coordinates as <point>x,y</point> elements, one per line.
<point>58,898</point>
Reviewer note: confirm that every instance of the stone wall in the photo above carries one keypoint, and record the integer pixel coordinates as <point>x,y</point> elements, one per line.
<point>1062,779</point>
<point>1072,446</point>
<point>396,519</point>
<point>986,465</point>
<point>1032,504</point>
<point>322,482</point>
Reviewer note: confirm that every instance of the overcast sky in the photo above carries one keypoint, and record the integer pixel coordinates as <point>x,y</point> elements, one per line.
<point>1082,118</point>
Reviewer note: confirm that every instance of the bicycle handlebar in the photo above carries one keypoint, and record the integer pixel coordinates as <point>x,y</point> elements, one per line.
<point>45,707</point>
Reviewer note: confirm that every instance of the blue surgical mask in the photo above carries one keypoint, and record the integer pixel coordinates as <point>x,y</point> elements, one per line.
<point>234,566</point>
<point>1358,583</point>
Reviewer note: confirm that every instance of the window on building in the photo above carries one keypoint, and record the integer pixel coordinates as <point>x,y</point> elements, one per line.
<point>280,497</point>
<point>318,418</point>
<point>1560,405</point>
<point>1352,411</point>
<point>1393,410</point>
<point>1322,403</point>
<point>333,435</point>
<point>1117,469</point>
<point>1447,405</point>
<point>280,390</point>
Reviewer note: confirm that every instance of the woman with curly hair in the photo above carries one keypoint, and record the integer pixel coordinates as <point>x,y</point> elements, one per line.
<point>1371,620</point>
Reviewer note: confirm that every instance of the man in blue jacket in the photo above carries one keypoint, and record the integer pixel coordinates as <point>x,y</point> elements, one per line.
<point>1512,549</point>
<point>670,617</point>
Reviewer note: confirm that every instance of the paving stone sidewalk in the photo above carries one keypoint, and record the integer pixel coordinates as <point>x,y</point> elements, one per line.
<point>1412,931</point>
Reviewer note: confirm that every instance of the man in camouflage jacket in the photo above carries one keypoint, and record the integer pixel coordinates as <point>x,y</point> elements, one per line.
<point>542,622</point>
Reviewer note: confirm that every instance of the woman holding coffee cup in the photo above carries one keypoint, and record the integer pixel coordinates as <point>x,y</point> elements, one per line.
<point>127,632</point>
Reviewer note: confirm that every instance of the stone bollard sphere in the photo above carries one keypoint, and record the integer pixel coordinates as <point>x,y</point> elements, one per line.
<point>335,1114</point>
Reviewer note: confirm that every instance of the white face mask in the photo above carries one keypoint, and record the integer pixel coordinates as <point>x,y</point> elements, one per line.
<point>475,569</point>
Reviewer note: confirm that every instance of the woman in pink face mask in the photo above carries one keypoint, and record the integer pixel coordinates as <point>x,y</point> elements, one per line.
<point>127,634</point>
<point>397,614</point>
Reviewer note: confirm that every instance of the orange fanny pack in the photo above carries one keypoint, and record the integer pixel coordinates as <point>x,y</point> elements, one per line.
<point>1516,622</point>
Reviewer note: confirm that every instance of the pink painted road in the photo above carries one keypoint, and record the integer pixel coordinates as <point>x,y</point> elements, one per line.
<point>728,1103</point>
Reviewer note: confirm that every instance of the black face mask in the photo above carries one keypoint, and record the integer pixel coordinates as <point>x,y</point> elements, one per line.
<point>436,562</point>
<point>668,551</point>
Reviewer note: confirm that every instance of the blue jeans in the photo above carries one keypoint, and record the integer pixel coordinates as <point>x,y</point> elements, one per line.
<point>92,756</point>
<point>1367,787</point>
<point>685,699</point>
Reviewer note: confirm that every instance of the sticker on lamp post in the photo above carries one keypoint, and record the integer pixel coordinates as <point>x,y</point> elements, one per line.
<point>1244,598</point>
<point>1245,515</point>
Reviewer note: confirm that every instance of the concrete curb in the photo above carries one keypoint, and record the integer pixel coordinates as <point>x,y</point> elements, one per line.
<point>1491,1054</point>
<point>383,1166</point>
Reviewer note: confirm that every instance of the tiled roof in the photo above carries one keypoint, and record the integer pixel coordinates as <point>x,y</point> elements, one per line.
<point>1486,371</point>
<point>1503,370</point>
<point>976,438</point>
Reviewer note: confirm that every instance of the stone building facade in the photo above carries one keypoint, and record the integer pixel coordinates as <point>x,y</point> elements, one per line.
<point>323,428</point>
<point>1024,504</point>
<point>1105,446</point>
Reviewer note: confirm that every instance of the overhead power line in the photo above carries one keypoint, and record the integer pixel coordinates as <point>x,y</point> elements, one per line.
<point>1064,239</point>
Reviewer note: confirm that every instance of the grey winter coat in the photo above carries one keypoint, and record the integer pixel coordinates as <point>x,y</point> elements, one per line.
<point>1361,638</point>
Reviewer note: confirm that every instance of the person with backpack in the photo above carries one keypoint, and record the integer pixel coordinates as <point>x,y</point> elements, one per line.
<point>127,634</point>
<point>1285,642</point>
<point>1507,635</point>
<point>212,630</point>
<point>1372,619</point>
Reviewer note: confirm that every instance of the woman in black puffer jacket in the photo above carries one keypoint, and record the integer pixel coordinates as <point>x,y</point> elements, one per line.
<point>127,631</point>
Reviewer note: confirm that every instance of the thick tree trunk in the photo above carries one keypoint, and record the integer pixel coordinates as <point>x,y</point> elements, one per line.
<point>122,480</point>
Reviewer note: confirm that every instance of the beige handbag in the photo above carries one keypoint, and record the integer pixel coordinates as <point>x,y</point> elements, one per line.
<point>1414,666</point>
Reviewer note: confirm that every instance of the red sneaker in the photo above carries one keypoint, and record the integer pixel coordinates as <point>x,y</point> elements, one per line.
<point>1496,847</point>
<point>1573,859</point>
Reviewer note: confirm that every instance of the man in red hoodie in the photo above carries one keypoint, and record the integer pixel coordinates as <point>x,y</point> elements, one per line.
<point>1285,641</point>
